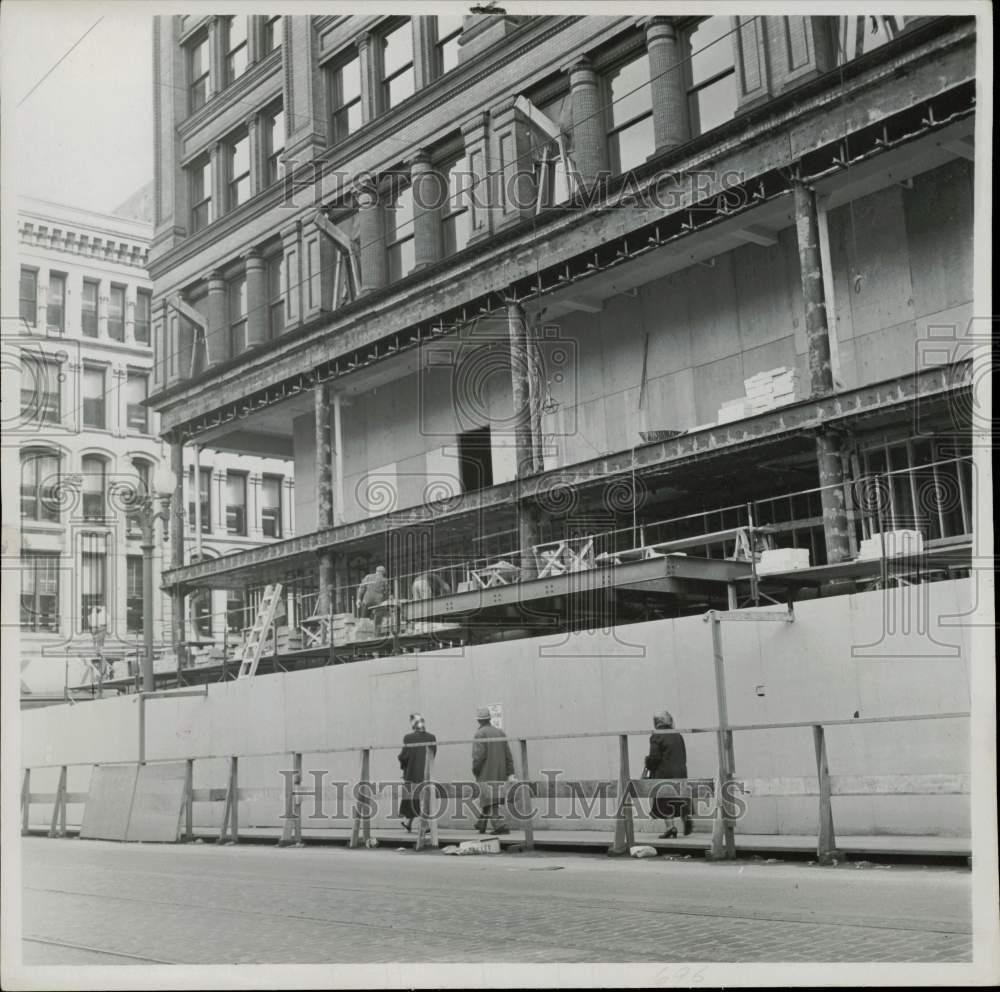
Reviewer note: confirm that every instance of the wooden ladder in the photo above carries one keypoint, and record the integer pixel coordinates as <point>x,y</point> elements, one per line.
<point>254,646</point>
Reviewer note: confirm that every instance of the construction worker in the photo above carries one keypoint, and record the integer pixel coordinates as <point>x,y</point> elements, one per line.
<point>492,763</point>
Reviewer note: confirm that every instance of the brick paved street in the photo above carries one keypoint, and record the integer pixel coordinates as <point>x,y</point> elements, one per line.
<point>88,902</point>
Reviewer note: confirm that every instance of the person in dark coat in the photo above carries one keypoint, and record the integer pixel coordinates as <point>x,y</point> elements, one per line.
<point>492,761</point>
<point>667,758</point>
<point>413,762</point>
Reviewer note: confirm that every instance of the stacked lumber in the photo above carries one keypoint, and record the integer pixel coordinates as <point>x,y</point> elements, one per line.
<point>763,391</point>
<point>287,639</point>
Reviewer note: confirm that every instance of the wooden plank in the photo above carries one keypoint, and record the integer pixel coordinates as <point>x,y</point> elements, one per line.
<point>58,825</point>
<point>861,785</point>
<point>158,803</point>
<point>209,795</point>
<point>25,800</point>
<point>361,831</point>
<point>529,823</point>
<point>624,826</point>
<point>109,803</point>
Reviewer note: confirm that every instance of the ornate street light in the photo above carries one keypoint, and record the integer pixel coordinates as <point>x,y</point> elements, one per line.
<point>153,506</point>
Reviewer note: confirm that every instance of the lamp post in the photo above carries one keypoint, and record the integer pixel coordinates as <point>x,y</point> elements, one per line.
<point>164,483</point>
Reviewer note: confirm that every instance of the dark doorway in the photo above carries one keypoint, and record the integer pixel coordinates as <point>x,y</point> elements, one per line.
<point>475,456</point>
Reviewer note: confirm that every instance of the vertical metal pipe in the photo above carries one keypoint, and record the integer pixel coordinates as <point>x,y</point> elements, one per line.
<point>521,397</point>
<point>324,489</point>
<point>148,524</point>
<point>177,548</point>
<point>811,271</point>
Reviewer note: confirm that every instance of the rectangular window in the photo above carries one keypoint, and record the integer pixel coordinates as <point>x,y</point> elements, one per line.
<point>205,498</point>
<point>40,400</point>
<point>274,143</point>
<point>40,486</point>
<point>237,316</point>
<point>39,591</point>
<point>455,211</point>
<point>133,594</point>
<point>630,99</point>
<point>236,611</point>
<point>275,300</point>
<point>93,488</point>
<point>270,514</point>
<point>136,391</point>
<point>143,315</point>
<point>56,313</point>
<point>449,33</point>
<point>397,66</point>
<point>237,171</point>
<point>711,73</point>
<point>272,34</point>
<point>345,98</point>
<point>234,35</point>
<point>198,79</point>
<point>28,296</point>
<point>200,181</point>
<point>116,313</point>
<point>92,585</point>
<point>399,234</point>
<point>475,459</point>
<point>93,398</point>
<point>89,307</point>
<point>236,503</point>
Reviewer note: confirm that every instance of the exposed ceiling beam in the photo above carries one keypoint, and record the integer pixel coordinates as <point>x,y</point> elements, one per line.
<point>757,236</point>
<point>964,147</point>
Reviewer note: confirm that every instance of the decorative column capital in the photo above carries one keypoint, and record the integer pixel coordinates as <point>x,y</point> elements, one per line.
<point>420,157</point>
<point>658,27</point>
<point>253,257</point>
<point>216,280</point>
<point>581,72</point>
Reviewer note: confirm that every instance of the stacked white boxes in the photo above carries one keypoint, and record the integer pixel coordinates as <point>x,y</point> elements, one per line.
<point>764,391</point>
<point>898,543</point>
<point>782,560</point>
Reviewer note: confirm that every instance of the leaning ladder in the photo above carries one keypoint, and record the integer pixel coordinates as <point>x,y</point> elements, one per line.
<point>254,645</point>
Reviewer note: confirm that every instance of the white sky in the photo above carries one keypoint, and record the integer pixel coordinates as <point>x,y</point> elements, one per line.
<point>85,136</point>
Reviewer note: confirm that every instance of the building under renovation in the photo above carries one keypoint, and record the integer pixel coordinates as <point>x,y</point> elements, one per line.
<point>568,322</point>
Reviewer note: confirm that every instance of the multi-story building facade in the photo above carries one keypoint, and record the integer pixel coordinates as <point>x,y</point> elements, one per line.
<point>87,441</point>
<point>500,285</point>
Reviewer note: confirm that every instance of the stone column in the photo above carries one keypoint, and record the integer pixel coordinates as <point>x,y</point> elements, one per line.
<point>256,299</point>
<point>258,166</point>
<point>371,98</point>
<point>590,139</point>
<point>427,199</point>
<point>217,331</point>
<point>666,70</point>
<point>291,274</point>
<point>304,92</point>
<point>514,190</point>
<point>371,216</point>
<point>811,271</point>
<point>831,480</point>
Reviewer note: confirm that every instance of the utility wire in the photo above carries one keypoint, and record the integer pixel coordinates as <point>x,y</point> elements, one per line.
<point>60,62</point>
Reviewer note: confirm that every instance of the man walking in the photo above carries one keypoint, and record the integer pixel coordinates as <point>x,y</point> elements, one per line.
<point>492,764</point>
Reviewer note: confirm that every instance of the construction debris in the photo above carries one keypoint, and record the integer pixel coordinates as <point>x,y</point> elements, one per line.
<point>896,543</point>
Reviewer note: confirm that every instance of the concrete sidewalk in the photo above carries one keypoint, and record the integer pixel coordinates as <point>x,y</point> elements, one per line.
<point>593,840</point>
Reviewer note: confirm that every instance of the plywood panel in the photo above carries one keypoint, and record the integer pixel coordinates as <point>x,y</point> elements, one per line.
<point>158,803</point>
<point>716,383</point>
<point>712,309</point>
<point>109,804</point>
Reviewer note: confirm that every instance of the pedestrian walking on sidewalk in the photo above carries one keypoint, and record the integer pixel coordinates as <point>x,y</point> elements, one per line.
<point>413,762</point>
<point>667,758</point>
<point>492,764</point>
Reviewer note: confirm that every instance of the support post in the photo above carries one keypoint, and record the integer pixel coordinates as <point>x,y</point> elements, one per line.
<point>826,846</point>
<point>624,827</point>
<point>231,813</point>
<point>428,825</point>
<point>529,823</point>
<point>142,728</point>
<point>324,490</point>
<point>536,394</point>
<point>811,272</point>
<point>523,450</point>
<point>291,832</point>
<point>177,510</point>
<point>25,801</point>
<point>832,497</point>
<point>361,831</point>
<point>189,800</point>
<point>57,828</point>
<point>723,837</point>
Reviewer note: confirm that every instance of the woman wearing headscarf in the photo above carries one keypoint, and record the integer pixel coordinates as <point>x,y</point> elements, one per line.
<point>667,758</point>
<point>413,762</point>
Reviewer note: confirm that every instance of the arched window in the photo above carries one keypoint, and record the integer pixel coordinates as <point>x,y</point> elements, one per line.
<point>40,485</point>
<point>94,506</point>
